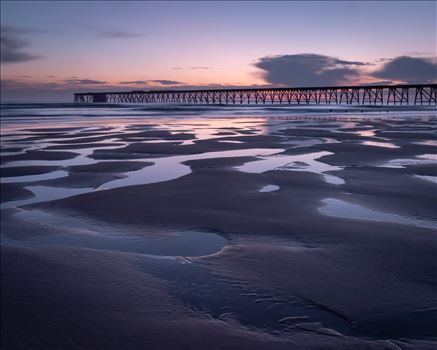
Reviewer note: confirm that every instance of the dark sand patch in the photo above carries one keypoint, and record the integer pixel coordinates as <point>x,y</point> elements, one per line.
<point>50,136</point>
<point>224,133</point>
<point>82,288</point>
<point>141,126</point>
<point>11,149</point>
<point>407,135</point>
<point>320,133</point>
<point>218,163</point>
<point>83,145</point>
<point>390,190</point>
<point>85,287</point>
<point>322,125</point>
<point>158,134</point>
<point>414,149</point>
<point>40,155</point>
<point>231,191</point>
<point>79,180</point>
<point>423,169</point>
<point>350,154</point>
<point>11,192</point>
<point>83,140</point>
<point>136,150</point>
<point>247,132</point>
<point>380,293</point>
<point>47,130</point>
<point>254,138</point>
<point>26,170</point>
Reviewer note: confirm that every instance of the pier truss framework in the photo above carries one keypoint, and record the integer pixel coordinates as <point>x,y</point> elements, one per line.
<point>423,95</point>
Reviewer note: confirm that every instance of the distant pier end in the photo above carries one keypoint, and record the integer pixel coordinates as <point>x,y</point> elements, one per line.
<point>418,94</point>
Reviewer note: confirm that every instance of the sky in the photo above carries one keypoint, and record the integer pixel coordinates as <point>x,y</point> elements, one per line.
<point>49,49</point>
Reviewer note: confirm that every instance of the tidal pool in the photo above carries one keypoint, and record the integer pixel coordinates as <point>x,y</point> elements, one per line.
<point>380,144</point>
<point>170,168</point>
<point>269,188</point>
<point>84,233</point>
<point>339,208</point>
<point>300,162</point>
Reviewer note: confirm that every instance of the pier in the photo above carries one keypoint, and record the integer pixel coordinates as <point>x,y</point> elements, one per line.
<point>418,94</point>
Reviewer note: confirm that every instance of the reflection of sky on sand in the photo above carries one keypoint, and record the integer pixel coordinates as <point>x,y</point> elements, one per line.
<point>81,232</point>
<point>74,123</point>
<point>380,144</point>
<point>339,208</point>
<point>423,159</point>
<point>230,141</point>
<point>301,162</point>
<point>366,133</point>
<point>427,178</point>
<point>169,168</point>
<point>269,188</point>
<point>428,143</point>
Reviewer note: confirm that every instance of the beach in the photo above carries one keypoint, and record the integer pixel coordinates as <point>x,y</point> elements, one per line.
<point>221,228</point>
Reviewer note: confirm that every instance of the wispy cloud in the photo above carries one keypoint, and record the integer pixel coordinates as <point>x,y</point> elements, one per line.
<point>13,47</point>
<point>149,82</point>
<point>195,68</point>
<point>117,34</point>
<point>84,81</point>
<point>200,68</point>
<point>166,82</point>
<point>134,82</point>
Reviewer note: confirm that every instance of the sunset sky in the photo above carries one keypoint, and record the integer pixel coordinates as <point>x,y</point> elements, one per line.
<point>50,49</point>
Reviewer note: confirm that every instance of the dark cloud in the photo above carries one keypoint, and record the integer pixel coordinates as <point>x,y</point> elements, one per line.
<point>24,30</point>
<point>135,82</point>
<point>13,46</point>
<point>408,69</point>
<point>84,81</point>
<point>307,70</point>
<point>10,83</point>
<point>200,68</point>
<point>116,34</point>
<point>166,82</point>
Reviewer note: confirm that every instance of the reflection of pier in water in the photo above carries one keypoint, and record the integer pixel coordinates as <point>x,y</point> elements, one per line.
<point>419,94</point>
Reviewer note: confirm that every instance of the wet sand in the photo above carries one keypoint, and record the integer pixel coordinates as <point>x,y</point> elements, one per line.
<point>292,275</point>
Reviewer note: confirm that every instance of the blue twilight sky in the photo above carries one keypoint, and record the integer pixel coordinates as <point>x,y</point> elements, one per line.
<point>50,48</point>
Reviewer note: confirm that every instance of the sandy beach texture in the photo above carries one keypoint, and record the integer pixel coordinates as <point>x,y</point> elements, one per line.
<point>339,254</point>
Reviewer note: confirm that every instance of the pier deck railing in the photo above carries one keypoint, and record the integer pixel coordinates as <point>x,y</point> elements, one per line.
<point>419,94</point>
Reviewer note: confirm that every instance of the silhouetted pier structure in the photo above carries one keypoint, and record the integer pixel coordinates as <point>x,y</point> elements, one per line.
<point>418,94</point>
